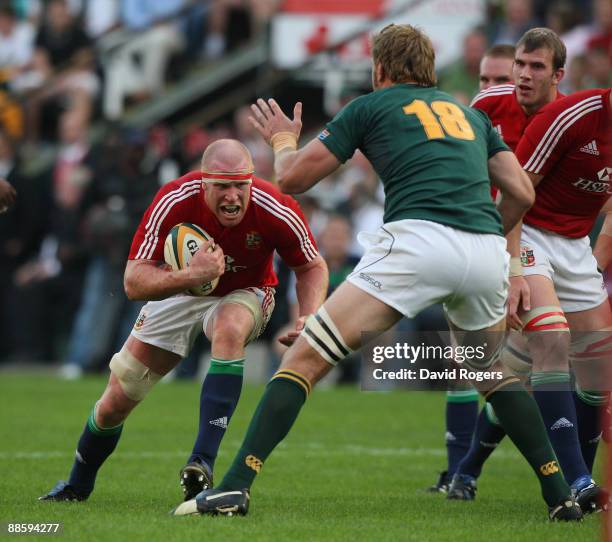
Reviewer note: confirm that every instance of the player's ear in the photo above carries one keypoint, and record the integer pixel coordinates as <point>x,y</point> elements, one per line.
<point>205,188</point>
<point>558,75</point>
<point>378,74</point>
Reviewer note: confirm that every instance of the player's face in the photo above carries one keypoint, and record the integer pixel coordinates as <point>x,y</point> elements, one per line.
<point>228,201</point>
<point>495,71</point>
<point>535,79</point>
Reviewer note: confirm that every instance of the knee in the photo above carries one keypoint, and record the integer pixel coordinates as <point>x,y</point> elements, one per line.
<point>231,333</point>
<point>547,333</point>
<point>591,359</point>
<point>549,351</point>
<point>591,346</point>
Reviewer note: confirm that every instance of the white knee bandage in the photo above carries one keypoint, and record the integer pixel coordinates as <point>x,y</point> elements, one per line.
<point>591,346</point>
<point>323,335</point>
<point>591,359</point>
<point>135,378</point>
<point>548,318</point>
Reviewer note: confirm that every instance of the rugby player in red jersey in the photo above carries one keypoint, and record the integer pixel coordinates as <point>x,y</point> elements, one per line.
<point>496,66</point>
<point>567,153</point>
<point>535,72</point>
<point>566,150</point>
<point>249,219</point>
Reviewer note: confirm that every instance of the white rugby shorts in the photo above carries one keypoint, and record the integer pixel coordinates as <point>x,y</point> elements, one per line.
<point>175,323</point>
<point>568,262</point>
<point>412,264</point>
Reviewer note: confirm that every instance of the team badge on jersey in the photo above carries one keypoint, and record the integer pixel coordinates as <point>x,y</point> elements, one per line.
<point>527,257</point>
<point>253,240</point>
<point>140,322</point>
<point>323,135</point>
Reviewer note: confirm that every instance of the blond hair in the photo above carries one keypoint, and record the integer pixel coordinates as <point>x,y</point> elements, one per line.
<point>405,54</point>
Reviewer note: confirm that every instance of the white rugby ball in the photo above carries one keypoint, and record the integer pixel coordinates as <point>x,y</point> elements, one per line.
<point>183,241</point>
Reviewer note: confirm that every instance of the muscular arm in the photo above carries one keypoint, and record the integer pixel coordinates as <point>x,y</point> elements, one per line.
<point>519,295</point>
<point>517,191</point>
<point>603,246</point>
<point>514,235</point>
<point>151,280</point>
<point>312,280</point>
<point>297,171</point>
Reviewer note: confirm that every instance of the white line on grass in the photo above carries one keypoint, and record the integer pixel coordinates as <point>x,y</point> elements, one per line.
<point>312,449</point>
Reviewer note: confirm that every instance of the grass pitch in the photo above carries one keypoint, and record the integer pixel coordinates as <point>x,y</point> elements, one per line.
<point>353,468</point>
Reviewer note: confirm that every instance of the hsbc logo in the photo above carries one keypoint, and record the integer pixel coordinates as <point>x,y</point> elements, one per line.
<point>605,174</point>
<point>596,187</point>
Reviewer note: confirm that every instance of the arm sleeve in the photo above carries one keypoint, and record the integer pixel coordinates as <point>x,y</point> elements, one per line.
<point>294,240</point>
<point>344,133</point>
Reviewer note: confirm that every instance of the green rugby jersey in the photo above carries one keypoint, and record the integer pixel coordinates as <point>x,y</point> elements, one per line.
<point>429,151</point>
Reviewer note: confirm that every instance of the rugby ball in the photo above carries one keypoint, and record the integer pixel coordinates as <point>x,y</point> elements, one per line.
<point>183,241</point>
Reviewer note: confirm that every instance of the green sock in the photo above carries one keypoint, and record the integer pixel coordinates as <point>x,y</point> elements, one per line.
<point>520,417</point>
<point>277,411</point>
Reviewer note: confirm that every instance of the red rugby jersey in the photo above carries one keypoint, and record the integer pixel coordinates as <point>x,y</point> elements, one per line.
<point>273,221</point>
<point>569,142</point>
<point>506,114</point>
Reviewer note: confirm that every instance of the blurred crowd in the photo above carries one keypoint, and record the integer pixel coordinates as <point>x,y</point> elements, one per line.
<point>585,26</point>
<point>94,57</point>
<point>67,64</point>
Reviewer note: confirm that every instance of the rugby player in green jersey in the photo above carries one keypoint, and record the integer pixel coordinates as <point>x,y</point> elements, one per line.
<point>442,241</point>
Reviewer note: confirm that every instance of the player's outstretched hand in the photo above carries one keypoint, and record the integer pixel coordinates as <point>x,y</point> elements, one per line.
<point>289,338</point>
<point>269,119</point>
<point>519,296</point>
<point>8,195</point>
<point>207,263</point>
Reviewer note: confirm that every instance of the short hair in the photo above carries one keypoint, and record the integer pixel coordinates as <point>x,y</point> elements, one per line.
<point>538,38</point>
<point>227,155</point>
<point>501,51</point>
<point>405,54</point>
